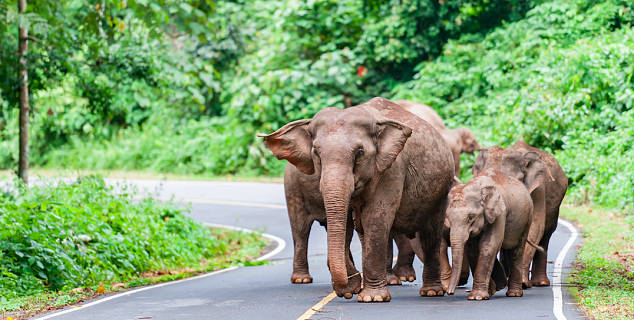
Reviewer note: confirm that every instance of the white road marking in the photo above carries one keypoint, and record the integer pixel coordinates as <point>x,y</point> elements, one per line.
<point>557,294</point>
<point>281,244</point>
<point>127,293</point>
<point>220,202</point>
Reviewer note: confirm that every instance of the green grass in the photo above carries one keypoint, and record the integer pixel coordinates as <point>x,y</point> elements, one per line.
<point>60,243</point>
<point>604,270</point>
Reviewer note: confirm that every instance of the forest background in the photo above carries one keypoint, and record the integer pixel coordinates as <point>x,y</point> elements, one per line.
<point>183,86</point>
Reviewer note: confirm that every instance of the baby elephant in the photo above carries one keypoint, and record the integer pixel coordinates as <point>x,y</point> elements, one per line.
<point>490,212</point>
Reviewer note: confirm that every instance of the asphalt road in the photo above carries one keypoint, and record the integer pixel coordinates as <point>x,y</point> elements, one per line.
<point>265,292</point>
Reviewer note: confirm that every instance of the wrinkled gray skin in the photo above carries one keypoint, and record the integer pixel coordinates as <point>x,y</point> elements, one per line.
<point>491,212</point>
<point>547,199</point>
<point>392,170</point>
<point>460,140</point>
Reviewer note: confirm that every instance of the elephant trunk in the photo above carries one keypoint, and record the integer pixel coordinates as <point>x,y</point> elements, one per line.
<point>458,241</point>
<point>337,185</point>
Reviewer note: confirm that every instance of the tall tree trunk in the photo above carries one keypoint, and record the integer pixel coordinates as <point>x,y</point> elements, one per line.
<point>23,78</point>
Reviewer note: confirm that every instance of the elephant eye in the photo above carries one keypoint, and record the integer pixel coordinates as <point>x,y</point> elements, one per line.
<point>315,153</point>
<point>359,154</point>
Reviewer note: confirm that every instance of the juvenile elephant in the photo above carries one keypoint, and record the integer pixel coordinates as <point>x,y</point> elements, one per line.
<point>460,140</point>
<point>491,212</point>
<point>547,197</point>
<point>393,170</point>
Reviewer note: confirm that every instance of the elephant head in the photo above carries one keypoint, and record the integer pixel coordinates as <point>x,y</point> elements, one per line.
<point>349,149</point>
<point>471,205</point>
<point>469,141</point>
<point>527,167</point>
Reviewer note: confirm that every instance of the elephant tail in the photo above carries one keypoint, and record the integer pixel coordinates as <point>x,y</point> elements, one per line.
<point>538,248</point>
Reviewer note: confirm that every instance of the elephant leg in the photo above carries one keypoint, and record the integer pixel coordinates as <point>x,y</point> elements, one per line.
<point>430,241</point>
<point>445,267</point>
<point>539,278</point>
<point>354,277</point>
<point>392,279</point>
<point>535,233</point>
<point>464,272</point>
<point>404,268</point>
<point>374,272</point>
<point>516,266</point>
<point>488,249</point>
<point>499,275</point>
<point>301,222</point>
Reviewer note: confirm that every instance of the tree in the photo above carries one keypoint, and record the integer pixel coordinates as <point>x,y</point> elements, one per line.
<point>23,76</point>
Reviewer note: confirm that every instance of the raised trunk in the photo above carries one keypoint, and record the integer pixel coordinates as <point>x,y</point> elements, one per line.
<point>457,252</point>
<point>337,189</point>
<point>23,78</point>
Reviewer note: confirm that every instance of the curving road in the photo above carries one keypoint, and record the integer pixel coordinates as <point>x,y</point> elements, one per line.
<point>265,292</point>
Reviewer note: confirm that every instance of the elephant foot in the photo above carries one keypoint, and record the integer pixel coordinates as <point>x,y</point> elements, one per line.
<point>300,277</point>
<point>540,281</point>
<point>526,283</point>
<point>514,293</point>
<point>353,287</point>
<point>461,282</point>
<point>445,284</point>
<point>432,291</point>
<point>392,279</point>
<point>374,295</point>
<point>498,286</point>
<point>404,272</point>
<point>478,294</point>
<point>492,287</point>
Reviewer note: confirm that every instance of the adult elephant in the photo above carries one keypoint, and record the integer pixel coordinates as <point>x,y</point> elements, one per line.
<point>547,198</point>
<point>392,170</point>
<point>460,140</point>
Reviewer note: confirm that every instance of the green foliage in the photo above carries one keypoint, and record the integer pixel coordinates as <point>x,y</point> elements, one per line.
<point>184,86</point>
<point>67,235</point>
<point>561,79</point>
<point>189,95</point>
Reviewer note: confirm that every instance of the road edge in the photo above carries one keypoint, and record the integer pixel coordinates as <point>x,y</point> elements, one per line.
<point>281,244</point>
<point>558,303</point>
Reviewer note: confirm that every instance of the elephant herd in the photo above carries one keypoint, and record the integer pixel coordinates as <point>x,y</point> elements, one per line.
<point>388,170</point>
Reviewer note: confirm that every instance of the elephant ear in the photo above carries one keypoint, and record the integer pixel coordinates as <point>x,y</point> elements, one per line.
<point>493,203</point>
<point>469,141</point>
<point>293,143</point>
<point>390,140</point>
<point>479,162</point>
<point>537,171</point>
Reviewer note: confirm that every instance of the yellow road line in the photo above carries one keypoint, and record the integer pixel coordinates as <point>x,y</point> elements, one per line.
<point>322,303</point>
<point>317,307</point>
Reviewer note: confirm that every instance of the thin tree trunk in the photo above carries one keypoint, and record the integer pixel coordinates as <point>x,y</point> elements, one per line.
<point>23,78</point>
